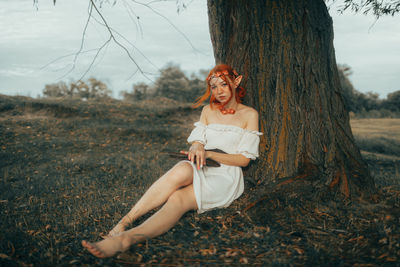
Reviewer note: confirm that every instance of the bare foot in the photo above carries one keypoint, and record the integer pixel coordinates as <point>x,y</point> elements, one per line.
<point>120,227</point>
<point>107,247</point>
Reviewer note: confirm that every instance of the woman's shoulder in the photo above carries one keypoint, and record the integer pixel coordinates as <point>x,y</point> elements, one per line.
<point>251,117</point>
<point>248,111</point>
<point>205,113</point>
<point>206,108</point>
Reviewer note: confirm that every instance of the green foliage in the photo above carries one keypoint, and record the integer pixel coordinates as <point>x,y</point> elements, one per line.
<point>172,83</point>
<point>376,7</point>
<point>367,105</point>
<point>348,90</point>
<point>93,88</point>
<point>139,92</point>
<point>393,101</point>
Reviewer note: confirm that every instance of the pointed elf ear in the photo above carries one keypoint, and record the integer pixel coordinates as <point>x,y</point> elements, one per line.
<point>238,80</point>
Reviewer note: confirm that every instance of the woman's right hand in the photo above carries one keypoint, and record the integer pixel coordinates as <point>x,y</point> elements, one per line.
<point>198,154</point>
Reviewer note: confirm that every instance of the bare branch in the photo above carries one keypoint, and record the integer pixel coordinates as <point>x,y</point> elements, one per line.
<point>125,39</point>
<point>90,9</point>
<point>95,57</point>
<point>169,22</point>
<point>118,43</point>
<point>112,36</point>
<point>65,56</point>
<point>130,10</point>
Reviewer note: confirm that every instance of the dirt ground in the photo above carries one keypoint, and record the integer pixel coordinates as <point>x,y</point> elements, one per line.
<point>69,170</point>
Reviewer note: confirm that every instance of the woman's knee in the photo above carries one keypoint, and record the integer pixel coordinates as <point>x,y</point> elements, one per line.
<point>183,199</point>
<point>181,174</point>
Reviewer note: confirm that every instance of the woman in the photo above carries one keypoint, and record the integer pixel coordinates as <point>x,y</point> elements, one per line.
<point>225,124</point>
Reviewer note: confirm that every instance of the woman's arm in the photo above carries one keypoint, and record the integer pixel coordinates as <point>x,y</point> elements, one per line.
<point>228,159</point>
<point>196,150</point>
<point>237,159</point>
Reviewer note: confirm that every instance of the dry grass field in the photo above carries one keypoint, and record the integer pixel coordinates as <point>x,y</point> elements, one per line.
<point>378,135</point>
<point>379,141</point>
<point>70,169</point>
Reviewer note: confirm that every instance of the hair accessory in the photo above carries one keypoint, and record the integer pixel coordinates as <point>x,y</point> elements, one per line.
<point>220,73</point>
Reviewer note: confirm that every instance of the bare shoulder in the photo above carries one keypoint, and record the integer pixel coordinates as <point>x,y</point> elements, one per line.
<point>251,116</point>
<point>206,111</point>
<point>206,108</point>
<point>205,114</point>
<point>249,112</point>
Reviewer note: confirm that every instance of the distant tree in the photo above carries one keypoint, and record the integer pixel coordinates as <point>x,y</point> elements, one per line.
<point>393,101</point>
<point>140,91</point>
<point>372,101</point>
<point>196,89</point>
<point>93,89</point>
<point>367,104</point>
<point>348,91</point>
<point>56,89</point>
<point>172,83</point>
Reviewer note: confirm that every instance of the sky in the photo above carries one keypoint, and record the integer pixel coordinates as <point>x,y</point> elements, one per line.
<point>38,44</point>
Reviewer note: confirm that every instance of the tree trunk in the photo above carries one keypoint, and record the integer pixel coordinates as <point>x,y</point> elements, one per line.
<point>285,51</point>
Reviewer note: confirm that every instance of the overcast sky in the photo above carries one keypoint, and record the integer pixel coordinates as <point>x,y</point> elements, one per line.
<point>37,44</point>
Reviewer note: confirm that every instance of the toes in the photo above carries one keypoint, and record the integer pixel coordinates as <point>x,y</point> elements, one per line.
<point>88,245</point>
<point>85,243</point>
<point>98,253</point>
<point>92,248</point>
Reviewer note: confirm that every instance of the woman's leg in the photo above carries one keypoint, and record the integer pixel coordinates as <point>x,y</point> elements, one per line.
<point>178,203</point>
<point>180,175</point>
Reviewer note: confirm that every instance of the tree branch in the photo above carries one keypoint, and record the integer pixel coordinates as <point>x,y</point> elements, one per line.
<point>377,7</point>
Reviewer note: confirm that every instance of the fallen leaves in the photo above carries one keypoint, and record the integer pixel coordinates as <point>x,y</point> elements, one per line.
<point>208,251</point>
<point>99,168</point>
<point>3,256</point>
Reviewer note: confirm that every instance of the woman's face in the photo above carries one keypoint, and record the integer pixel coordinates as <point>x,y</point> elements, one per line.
<point>220,90</point>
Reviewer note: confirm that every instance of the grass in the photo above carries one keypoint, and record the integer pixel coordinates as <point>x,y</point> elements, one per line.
<point>57,157</point>
<point>377,135</point>
<point>379,141</point>
<point>69,170</point>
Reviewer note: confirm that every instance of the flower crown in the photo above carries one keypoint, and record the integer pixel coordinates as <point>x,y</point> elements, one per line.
<point>220,73</point>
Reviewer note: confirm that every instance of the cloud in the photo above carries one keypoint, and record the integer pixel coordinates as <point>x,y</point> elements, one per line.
<point>18,71</point>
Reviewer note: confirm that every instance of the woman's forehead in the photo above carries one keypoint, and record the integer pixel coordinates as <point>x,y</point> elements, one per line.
<point>216,80</point>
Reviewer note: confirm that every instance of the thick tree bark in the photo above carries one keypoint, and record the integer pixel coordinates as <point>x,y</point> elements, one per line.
<point>285,51</point>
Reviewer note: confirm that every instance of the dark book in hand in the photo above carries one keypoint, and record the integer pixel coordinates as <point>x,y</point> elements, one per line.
<point>209,162</point>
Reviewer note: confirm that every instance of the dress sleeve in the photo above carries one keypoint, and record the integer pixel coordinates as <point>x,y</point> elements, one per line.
<point>198,134</point>
<point>249,143</point>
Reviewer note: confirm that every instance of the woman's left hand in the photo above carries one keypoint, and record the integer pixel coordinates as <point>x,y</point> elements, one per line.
<point>196,153</point>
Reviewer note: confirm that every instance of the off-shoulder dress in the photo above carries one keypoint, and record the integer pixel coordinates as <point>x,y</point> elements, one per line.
<point>217,187</point>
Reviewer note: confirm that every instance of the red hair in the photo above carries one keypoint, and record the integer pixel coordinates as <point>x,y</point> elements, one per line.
<point>226,73</point>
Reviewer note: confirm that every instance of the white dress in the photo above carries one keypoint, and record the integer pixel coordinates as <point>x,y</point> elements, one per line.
<point>217,187</point>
